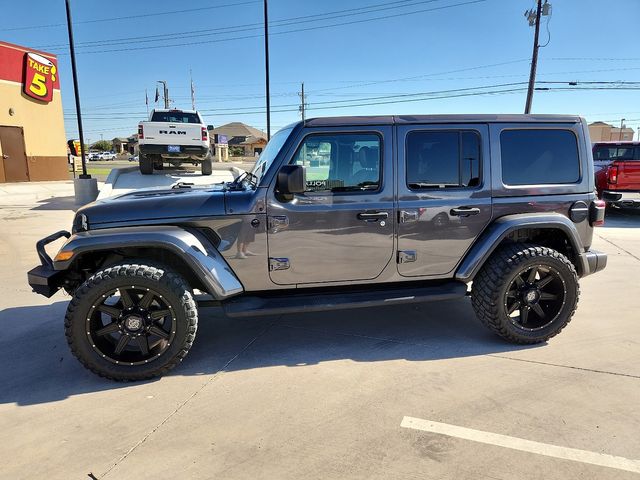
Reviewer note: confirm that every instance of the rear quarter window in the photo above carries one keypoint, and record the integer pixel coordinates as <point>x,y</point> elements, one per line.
<point>539,157</point>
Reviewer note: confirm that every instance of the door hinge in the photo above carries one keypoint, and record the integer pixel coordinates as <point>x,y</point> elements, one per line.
<point>406,216</point>
<point>280,263</point>
<point>407,256</point>
<point>277,222</point>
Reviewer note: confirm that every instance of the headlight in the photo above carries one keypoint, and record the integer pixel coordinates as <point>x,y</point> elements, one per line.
<point>80,223</point>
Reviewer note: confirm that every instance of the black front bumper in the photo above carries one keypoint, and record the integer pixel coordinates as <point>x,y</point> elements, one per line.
<point>44,279</point>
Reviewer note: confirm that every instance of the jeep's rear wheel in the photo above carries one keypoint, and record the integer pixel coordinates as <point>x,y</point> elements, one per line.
<point>131,321</point>
<point>526,293</point>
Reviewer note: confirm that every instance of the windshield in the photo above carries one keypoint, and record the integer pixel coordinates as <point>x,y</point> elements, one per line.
<point>269,154</point>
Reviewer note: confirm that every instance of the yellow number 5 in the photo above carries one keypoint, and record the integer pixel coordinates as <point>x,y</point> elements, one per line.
<point>39,85</point>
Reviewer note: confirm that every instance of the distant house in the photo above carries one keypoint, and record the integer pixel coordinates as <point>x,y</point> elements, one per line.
<point>251,140</point>
<point>120,145</point>
<point>603,132</point>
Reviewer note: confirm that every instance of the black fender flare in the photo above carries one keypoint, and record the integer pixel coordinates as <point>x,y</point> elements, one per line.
<point>486,244</point>
<point>199,255</point>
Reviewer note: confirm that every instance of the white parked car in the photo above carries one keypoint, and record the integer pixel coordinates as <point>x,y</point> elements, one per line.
<point>107,156</point>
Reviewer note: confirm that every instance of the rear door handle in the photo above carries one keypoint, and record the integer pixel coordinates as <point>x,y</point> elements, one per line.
<point>372,216</point>
<point>464,211</point>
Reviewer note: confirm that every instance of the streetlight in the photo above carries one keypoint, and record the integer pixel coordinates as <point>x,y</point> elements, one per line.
<point>621,127</point>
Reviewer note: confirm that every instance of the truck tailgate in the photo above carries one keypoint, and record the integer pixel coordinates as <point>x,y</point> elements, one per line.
<point>628,175</point>
<point>160,133</point>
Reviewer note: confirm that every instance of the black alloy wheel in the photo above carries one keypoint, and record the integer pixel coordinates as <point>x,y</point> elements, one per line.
<point>131,325</point>
<point>535,297</point>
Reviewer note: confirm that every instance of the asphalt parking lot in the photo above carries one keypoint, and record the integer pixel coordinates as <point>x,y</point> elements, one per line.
<point>325,396</point>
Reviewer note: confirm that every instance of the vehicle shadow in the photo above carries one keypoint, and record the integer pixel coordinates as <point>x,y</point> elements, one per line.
<point>36,365</point>
<point>622,218</point>
<point>57,203</point>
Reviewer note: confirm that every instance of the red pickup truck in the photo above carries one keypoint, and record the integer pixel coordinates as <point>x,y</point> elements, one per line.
<point>617,170</point>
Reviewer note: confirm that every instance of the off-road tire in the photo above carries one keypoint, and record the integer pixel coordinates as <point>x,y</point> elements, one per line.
<point>174,290</point>
<point>207,167</point>
<point>146,165</point>
<point>490,285</point>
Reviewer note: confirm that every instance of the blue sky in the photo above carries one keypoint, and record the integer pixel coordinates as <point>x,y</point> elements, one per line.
<point>385,55</point>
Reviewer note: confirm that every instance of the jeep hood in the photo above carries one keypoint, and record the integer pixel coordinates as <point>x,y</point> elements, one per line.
<point>154,205</point>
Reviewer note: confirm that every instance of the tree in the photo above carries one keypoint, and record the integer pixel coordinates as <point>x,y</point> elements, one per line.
<point>102,145</point>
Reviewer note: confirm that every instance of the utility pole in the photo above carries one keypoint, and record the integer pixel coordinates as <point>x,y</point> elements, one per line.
<point>534,57</point>
<point>266,68</point>
<point>303,103</point>
<point>621,127</point>
<point>165,93</point>
<point>72,51</point>
<point>193,92</point>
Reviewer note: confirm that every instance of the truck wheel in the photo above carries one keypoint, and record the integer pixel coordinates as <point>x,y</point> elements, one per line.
<point>207,168</point>
<point>146,165</point>
<point>526,293</point>
<point>131,321</point>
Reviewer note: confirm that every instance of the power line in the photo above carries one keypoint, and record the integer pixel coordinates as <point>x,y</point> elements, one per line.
<point>425,96</point>
<point>252,26</point>
<point>470,2</point>
<point>129,17</point>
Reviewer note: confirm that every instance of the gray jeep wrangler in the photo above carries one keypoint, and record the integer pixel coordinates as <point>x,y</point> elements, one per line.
<point>339,213</point>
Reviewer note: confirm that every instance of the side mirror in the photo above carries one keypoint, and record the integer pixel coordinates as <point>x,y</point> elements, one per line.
<point>291,179</point>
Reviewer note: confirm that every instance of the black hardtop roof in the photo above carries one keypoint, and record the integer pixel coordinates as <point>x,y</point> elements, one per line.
<point>449,118</point>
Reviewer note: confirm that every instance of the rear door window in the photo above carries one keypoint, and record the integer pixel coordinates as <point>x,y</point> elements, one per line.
<point>539,157</point>
<point>443,159</point>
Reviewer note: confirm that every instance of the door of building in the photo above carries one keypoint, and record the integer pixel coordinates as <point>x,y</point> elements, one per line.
<point>14,157</point>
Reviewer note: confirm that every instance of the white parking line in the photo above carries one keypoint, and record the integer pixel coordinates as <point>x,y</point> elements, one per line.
<point>515,443</point>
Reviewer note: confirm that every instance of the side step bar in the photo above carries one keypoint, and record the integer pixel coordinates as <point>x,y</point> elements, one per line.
<point>250,306</point>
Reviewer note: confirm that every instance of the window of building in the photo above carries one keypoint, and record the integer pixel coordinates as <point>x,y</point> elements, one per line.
<point>443,159</point>
<point>341,162</point>
<point>539,157</point>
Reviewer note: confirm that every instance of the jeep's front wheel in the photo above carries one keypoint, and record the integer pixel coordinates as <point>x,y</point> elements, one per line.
<point>131,321</point>
<point>526,293</point>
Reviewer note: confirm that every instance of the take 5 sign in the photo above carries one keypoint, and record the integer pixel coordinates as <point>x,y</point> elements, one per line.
<point>34,72</point>
<point>39,77</point>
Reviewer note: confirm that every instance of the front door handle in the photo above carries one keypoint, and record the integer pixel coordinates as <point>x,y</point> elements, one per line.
<point>372,216</point>
<point>464,211</point>
<point>5,156</point>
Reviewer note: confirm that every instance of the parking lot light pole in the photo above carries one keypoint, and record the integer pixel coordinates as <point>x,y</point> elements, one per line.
<point>72,52</point>
<point>266,67</point>
<point>85,188</point>
<point>621,127</point>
